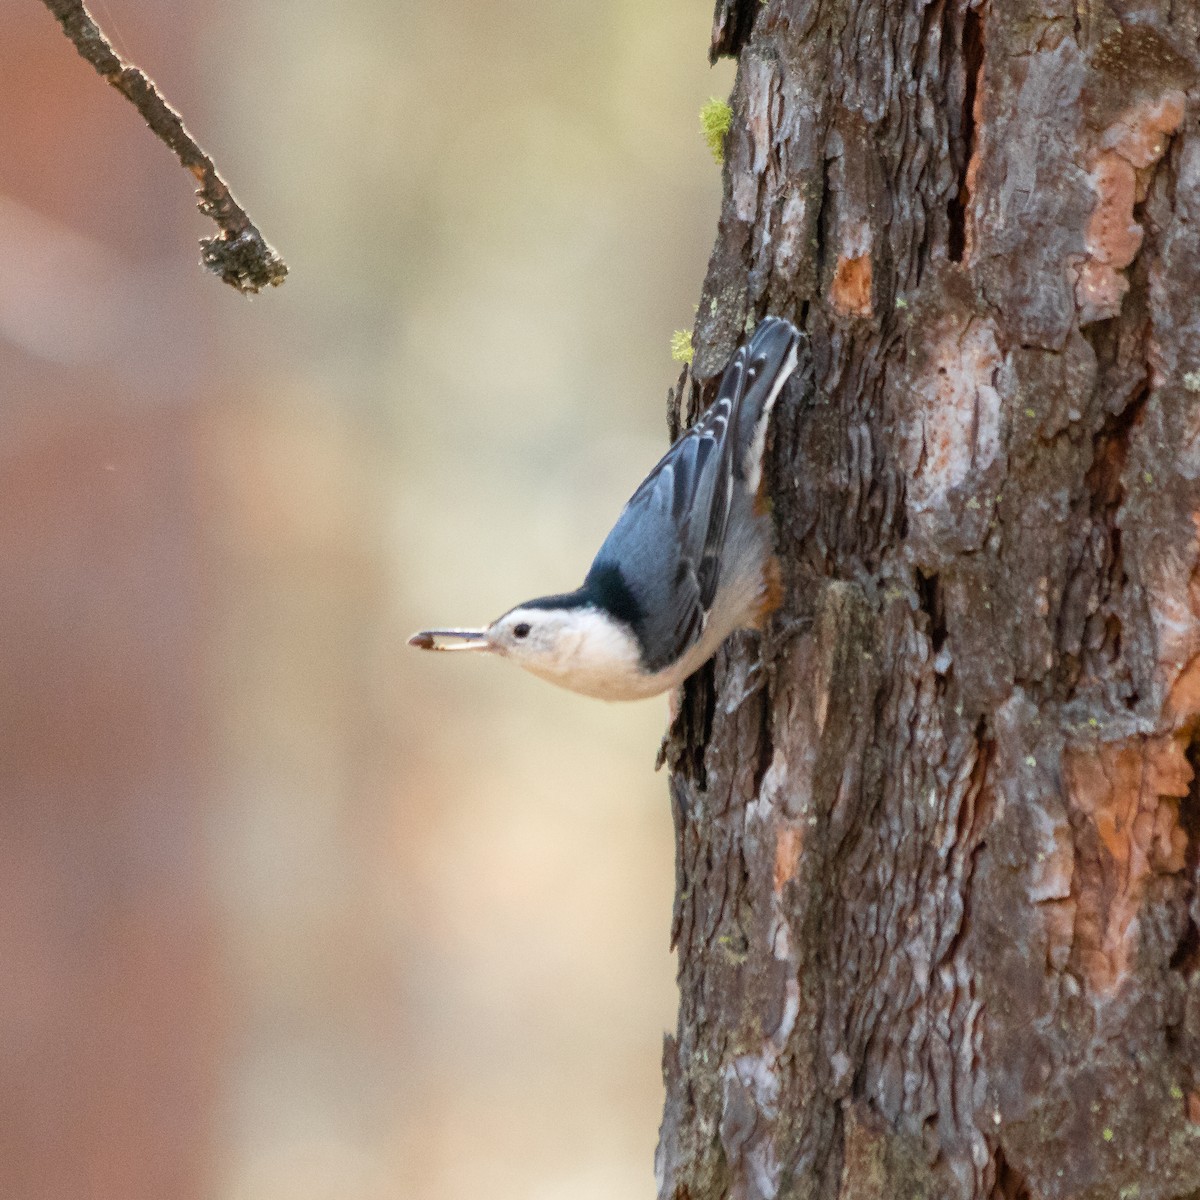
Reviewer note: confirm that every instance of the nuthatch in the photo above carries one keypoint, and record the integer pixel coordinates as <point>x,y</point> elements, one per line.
<point>689,560</point>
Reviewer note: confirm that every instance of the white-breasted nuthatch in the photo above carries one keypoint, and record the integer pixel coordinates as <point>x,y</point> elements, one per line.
<point>689,560</point>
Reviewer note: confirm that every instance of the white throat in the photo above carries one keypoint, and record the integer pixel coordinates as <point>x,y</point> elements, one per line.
<point>593,654</point>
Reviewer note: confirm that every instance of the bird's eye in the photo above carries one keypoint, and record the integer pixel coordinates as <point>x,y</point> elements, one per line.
<point>521,631</point>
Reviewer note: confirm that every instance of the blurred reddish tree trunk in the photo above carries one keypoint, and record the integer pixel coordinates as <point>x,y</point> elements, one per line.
<point>110,1009</point>
<point>937,903</point>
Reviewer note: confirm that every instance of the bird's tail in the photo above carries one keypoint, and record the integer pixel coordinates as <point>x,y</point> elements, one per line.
<point>758,372</point>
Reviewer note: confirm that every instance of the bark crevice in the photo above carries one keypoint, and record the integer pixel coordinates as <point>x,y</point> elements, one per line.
<point>1009,1183</point>
<point>971,52</point>
<point>1186,956</point>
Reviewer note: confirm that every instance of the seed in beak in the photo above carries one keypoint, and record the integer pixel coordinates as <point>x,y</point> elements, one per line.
<point>460,639</point>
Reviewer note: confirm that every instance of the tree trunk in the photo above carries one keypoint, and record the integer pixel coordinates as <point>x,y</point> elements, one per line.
<point>939,830</point>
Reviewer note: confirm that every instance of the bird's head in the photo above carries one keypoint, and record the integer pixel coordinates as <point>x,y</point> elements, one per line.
<point>567,640</point>
<point>523,633</point>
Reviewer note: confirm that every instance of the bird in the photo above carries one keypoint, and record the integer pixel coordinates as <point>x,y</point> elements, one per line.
<point>689,561</point>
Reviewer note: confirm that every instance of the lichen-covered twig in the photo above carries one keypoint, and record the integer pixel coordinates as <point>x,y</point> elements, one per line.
<point>239,253</point>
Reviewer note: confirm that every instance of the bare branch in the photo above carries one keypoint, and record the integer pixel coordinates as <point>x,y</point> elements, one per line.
<point>239,254</point>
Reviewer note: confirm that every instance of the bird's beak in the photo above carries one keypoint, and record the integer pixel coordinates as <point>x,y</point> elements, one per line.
<point>459,639</point>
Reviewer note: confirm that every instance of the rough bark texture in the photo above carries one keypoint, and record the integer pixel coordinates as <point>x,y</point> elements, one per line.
<point>939,831</point>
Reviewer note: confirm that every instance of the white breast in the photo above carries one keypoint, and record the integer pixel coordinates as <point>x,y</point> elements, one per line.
<point>590,653</point>
<point>597,657</point>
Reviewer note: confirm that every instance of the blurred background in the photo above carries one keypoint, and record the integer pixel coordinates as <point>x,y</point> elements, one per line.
<point>289,911</point>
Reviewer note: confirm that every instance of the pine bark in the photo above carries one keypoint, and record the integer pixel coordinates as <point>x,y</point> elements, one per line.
<point>938,915</point>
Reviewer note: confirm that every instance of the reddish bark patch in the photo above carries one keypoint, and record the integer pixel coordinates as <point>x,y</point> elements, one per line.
<point>1125,802</point>
<point>1140,135</point>
<point>788,843</point>
<point>1120,174</point>
<point>851,291</point>
<point>1184,698</point>
<point>1113,236</point>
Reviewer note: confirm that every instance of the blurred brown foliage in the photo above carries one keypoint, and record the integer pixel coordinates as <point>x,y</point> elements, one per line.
<point>287,911</point>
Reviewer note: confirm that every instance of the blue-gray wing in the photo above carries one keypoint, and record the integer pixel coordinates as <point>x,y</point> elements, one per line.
<point>660,566</point>
<point>668,539</point>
